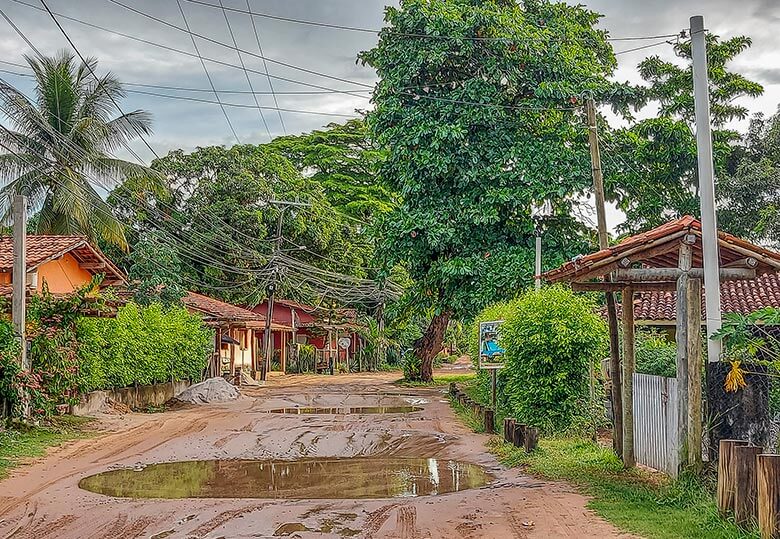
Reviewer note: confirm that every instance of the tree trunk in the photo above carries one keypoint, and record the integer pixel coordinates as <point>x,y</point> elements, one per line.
<point>430,344</point>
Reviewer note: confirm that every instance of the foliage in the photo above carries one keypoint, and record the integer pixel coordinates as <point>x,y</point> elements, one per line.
<point>9,365</point>
<point>60,151</point>
<point>411,366</point>
<point>17,445</point>
<point>637,501</point>
<point>142,345</point>
<point>469,174</point>
<point>650,167</point>
<point>343,160</point>
<point>221,215</point>
<point>750,337</point>
<point>655,354</point>
<point>749,205</point>
<point>550,337</point>
<point>155,272</point>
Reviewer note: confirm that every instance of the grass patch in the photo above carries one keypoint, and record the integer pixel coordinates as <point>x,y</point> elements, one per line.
<point>21,442</point>
<point>443,380</point>
<point>641,502</point>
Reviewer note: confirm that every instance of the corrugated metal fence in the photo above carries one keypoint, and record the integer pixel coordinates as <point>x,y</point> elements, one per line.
<point>655,422</point>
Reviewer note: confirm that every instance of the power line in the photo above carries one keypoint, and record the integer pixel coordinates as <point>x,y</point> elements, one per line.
<point>265,65</point>
<point>246,73</point>
<point>407,34</point>
<point>206,70</point>
<point>92,72</point>
<point>18,31</point>
<point>643,47</point>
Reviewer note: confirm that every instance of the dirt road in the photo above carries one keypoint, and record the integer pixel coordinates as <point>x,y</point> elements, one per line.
<point>43,500</point>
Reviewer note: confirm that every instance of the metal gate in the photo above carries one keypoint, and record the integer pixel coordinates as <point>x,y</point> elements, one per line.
<point>655,422</point>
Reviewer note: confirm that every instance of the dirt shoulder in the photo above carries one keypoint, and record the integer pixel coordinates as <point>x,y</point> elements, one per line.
<point>43,500</point>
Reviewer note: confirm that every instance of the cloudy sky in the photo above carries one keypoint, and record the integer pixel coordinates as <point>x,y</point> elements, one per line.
<point>331,52</point>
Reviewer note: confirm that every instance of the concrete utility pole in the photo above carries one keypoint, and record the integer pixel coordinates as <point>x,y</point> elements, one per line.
<point>709,223</point>
<point>19,284</point>
<point>267,335</point>
<point>614,344</point>
<point>538,265</point>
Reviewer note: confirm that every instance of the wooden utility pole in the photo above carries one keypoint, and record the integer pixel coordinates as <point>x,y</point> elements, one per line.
<point>629,459</point>
<point>695,410</point>
<point>614,345</point>
<point>684,261</point>
<point>19,285</point>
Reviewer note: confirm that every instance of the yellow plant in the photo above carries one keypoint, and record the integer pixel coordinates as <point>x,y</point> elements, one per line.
<point>735,379</point>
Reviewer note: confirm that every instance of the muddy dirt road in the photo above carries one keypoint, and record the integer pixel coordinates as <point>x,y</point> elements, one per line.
<point>43,500</point>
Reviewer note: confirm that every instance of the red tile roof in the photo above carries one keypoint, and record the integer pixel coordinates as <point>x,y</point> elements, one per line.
<point>742,297</point>
<point>43,248</point>
<point>732,249</point>
<point>218,311</point>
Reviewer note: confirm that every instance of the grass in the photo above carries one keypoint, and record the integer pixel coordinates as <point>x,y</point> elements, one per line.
<point>22,442</point>
<point>645,503</point>
<point>443,380</point>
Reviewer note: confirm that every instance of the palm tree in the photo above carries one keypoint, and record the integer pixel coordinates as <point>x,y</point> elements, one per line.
<point>58,151</point>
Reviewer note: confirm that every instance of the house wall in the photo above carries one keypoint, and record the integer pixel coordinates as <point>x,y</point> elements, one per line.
<point>62,275</point>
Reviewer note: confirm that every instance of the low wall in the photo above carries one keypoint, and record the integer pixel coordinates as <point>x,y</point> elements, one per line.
<point>134,397</point>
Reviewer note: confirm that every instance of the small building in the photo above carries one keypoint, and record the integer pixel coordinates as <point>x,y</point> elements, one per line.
<point>327,329</point>
<point>60,263</point>
<point>239,334</point>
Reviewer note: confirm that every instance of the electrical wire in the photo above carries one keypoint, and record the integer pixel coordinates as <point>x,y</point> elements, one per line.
<point>206,70</point>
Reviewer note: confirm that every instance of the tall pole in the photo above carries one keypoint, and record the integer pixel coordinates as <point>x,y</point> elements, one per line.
<point>267,335</point>
<point>19,284</point>
<point>709,223</point>
<point>614,344</point>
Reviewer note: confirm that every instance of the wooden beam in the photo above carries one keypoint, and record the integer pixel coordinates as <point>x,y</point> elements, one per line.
<point>695,410</point>
<point>629,361</point>
<point>748,262</point>
<point>619,286</point>
<point>685,259</point>
<point>669,274</point>
<point>92,266</point>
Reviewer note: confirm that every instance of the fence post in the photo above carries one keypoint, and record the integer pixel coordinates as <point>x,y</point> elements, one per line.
<point>768,475</point>
<point>726,475</point>
<point>490,421</point>
<point>745,485</point>
<point>531,439</point>
<point>509,429</point>
<point>518,436</point>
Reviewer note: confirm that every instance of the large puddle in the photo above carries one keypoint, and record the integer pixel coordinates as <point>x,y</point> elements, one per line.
<point>314,478</point>
<point>348,410</point>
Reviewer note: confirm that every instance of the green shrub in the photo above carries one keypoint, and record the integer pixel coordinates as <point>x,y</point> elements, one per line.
<point>9,365</point>
<point>142,345</point>
<point>655,354</point>
<point>551,337</point>
<point>412,367</point>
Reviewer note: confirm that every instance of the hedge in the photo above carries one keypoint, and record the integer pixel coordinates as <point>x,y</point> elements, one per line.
<point>142,345</point>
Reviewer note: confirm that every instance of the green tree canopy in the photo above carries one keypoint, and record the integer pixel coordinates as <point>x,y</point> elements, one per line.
<point>480,126</point>
<point>58,151</point>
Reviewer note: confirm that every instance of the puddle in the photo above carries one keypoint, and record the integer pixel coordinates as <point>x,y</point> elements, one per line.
<point>312,478</point>
<point>343,410</point>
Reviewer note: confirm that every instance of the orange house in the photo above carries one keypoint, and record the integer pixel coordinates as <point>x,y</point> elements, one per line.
<point>63,263</point>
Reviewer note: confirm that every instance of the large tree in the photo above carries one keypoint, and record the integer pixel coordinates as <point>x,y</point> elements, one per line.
<point>478,107</point>
<point>58,151</point>
<point>651,167</point>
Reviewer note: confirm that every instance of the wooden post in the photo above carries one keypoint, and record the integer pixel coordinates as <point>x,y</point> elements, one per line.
<point>684,264</point>
<point>614,345</point>
<point>509,429</point>
<point>531,439</point>
<point>252,353</point>
<point>768,480</point>
<point>695,415</point>
<point>232,352</point>
<point>745,484</point>
<point>453,388</point>
<point>490,421</point>
<point>628,378</point>
<point>518,436</point>
<point>726,475</point>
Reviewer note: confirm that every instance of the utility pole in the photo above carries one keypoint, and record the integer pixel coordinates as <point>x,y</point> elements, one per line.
<point>614,345</point>
<point>709,223</point>
<point>538,264</point>
<point>19,284</point>
<point>267,335</point>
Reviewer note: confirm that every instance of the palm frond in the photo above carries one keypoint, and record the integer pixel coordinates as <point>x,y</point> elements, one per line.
<point>136,178</point>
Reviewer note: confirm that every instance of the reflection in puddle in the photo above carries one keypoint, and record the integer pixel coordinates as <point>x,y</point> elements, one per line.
<point>348,410</point>
<point>313,478</point>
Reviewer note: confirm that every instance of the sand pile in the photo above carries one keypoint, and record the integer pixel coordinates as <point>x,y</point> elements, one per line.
<point>209,391</point>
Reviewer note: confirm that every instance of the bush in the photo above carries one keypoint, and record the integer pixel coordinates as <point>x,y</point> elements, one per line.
<point>655,354</point>
<point>551,337</point>
<point>142,345</point>
<point>412,367</point>
<point>9,366</point>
